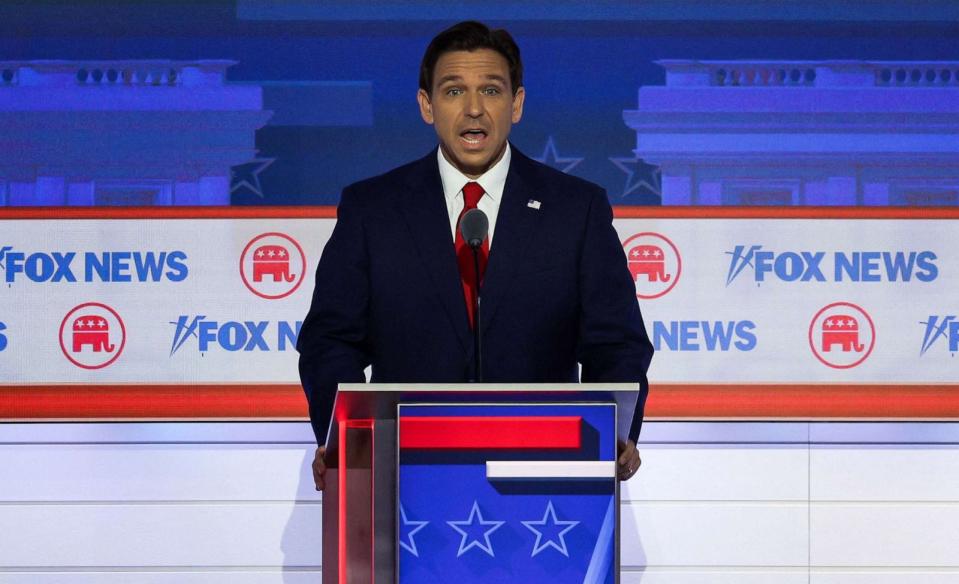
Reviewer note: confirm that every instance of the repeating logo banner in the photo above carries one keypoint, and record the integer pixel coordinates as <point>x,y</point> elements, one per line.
<point>724,300</point>
<point>795,300</point>
<point>155,301</point>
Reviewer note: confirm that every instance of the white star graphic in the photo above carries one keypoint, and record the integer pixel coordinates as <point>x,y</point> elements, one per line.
<point>550,523</point>
<point>645,253</point>
<point>260,253</point>
<point>404,522</point>
<point>101,323</point>
<point>469,523</point>
<point>90,323</point>
<point>79,324</point>
<point>271,253</point>
<point>641,178</point>
<point>850,323</point>
<point>828,324</point>
<point>552,158</point>
<point>281,253</point>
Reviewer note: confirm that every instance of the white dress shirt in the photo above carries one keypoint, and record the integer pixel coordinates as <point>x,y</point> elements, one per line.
<point>492,181</point>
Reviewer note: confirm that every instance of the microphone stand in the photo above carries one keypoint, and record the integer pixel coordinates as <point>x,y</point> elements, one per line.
<point>474,226</point>
<point>477,337</point>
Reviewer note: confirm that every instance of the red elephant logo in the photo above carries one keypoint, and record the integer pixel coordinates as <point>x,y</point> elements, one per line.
<point>844,325</point>
<point>92,335</point>
<point>842,330</point>
<point>274,261</point>
<point>654,263</point>
<point>272,265</point>
<point>94,331</point>
<point>648,260</point>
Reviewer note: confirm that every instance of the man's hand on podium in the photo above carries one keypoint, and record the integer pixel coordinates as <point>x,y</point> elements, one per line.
<point>628,462</point>
<point>319,467</point>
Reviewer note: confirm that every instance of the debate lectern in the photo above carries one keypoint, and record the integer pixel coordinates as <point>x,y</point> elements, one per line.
<point>471,483</point>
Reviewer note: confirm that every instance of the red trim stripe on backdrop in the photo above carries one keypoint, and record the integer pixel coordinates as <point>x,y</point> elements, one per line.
<point>666,401</point>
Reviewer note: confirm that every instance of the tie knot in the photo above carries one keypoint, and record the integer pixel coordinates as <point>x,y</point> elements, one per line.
<point>472,193</point>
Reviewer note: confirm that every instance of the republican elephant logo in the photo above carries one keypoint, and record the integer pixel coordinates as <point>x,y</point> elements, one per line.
<point>93,331</point>
<point>842,335</point>
<point>654,264</point>
<point>273,261</point>
<point>272,265</point>
<point>649,261</point>
<point>92,335</point>
<point>842,330</point>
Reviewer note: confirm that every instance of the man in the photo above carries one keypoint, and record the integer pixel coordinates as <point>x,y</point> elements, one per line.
<point>391,292</point>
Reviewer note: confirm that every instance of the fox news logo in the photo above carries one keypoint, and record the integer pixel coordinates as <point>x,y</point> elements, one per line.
<point>819,266</point>
<point>107,266</point>
<point>940,328</point>
<point>696,335</point>
<point>232,336</point>
<point>3,337</point>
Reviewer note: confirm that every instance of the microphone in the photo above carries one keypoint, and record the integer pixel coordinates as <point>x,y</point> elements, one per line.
<point>474,226</point>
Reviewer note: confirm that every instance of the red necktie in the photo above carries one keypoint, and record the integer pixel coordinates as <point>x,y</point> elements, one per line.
<point>472,193</point>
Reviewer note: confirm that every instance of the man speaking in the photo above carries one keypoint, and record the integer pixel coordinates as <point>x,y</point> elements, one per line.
<point>396,284</point>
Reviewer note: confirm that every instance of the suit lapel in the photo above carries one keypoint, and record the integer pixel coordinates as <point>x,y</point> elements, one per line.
<point>424,210</point>
<point>516,225</point>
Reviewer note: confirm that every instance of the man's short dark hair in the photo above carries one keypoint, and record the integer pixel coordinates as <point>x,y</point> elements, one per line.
<point>470,35</point>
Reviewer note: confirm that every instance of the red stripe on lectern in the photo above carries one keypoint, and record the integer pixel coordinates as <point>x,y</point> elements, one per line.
<point>505,432</point>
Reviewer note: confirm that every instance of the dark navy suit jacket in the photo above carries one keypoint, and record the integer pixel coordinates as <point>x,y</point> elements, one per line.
<point>388,294</point>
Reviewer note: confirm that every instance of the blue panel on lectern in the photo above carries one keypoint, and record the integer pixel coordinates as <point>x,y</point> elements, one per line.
<point>456,525</point>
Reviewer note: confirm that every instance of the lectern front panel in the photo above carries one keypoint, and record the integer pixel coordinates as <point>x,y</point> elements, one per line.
<point>506,493</point>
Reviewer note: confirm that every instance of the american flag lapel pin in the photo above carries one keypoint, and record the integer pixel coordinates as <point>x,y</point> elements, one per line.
<point>534,204</point>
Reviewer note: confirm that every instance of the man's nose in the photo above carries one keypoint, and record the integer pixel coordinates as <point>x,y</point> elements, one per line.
<point>474,106</point>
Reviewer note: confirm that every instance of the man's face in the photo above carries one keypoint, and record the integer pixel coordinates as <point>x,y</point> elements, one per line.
<point>472,107</point>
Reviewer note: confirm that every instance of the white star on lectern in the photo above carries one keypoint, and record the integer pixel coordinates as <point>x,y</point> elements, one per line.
<point>469,524</point>
<point>552,158</point>
<point>404,523</point>
<point>550,517</point>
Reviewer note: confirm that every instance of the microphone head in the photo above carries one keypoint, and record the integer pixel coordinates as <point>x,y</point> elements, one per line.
<point>474,226</point>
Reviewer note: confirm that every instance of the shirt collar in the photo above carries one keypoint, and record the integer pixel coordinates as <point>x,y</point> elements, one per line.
<point>493,180</point>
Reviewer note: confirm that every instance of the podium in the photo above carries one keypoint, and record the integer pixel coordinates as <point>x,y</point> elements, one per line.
<point>474,483</point>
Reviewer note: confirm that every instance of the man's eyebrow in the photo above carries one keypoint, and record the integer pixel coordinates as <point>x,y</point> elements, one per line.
<point>448,79</point>
<point>459,78</point>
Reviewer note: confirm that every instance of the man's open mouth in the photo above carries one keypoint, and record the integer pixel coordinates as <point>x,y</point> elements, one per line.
<point>473,136</point>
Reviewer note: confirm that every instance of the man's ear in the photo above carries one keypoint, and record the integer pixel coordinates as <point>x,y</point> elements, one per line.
<point>426,108</point>
<point>518,98</point>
